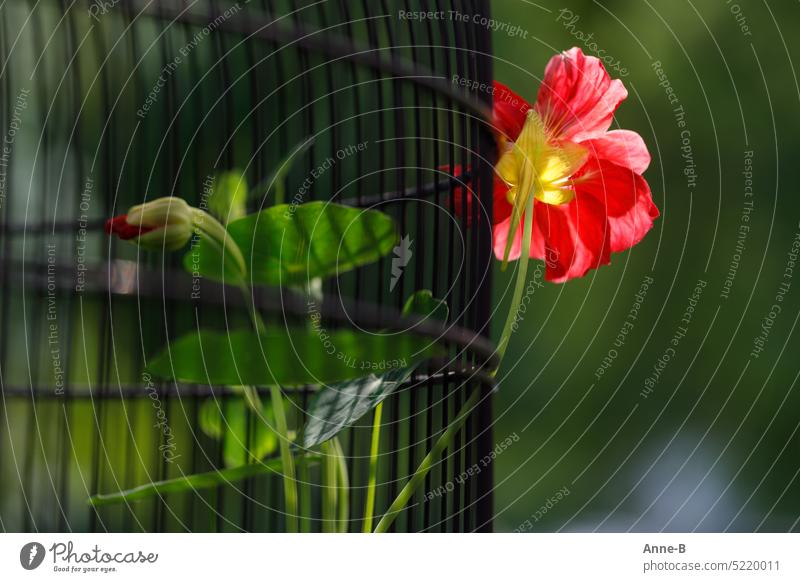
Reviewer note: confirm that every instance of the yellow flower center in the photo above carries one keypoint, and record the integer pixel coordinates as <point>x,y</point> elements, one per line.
<point>536,165</point>
<point>541,166</point>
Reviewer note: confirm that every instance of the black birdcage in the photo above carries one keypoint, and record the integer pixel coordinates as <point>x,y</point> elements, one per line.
<point>110,102</point>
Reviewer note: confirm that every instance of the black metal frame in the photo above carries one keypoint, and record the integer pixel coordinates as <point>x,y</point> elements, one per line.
<point>439,390</point>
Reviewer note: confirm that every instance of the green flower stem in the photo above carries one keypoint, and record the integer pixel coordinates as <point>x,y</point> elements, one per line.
<point>329,494</point>
<point>427,463</point>
<point>343,502</point>
<point>522,272</point>
<point>444,441</point>
<point>196,482</point>
<point>214,231</point>
<point>305,497</point>
<point>369,504</point>
<point>280,191</point>
<point>289,480</point>
<point>253,401</point>
<point>312,291</point>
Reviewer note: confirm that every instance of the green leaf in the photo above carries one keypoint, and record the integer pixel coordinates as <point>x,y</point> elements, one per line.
<point>228,200</point>
<point>195,482</point>
<point>286,356</point>
<point>341,405</point>
<point>291,244</point>
<point>230,422</point>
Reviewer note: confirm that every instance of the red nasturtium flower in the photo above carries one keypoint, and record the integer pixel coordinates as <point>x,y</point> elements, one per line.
<point>589,195</point>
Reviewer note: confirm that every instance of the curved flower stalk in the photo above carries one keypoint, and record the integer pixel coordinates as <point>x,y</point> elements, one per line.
<point>567,191</point>
<point>369,503</point>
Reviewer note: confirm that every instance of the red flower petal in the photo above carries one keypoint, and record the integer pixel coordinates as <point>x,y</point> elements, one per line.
<point>500,237</point>
<point>462,188</point>
<point>508,111</point>
<point>571,238</point>
<point>626,197</point>
<point>502,207</point>
<point>612,211</point>
<point>622,147</point>
<point>576,238</point>
<point>120,227</point>
<point>577,98</point>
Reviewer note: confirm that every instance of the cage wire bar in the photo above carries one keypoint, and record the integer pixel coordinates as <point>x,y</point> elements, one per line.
<point>112,103</point>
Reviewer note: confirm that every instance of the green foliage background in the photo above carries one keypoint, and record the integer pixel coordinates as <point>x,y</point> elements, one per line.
<point>715,445</point>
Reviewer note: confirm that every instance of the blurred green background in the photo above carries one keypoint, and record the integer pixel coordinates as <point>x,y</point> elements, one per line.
<point>714,445</point>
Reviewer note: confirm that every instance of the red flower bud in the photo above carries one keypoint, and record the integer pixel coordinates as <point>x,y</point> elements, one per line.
<point>168,223</point>
<point>120,227</point>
